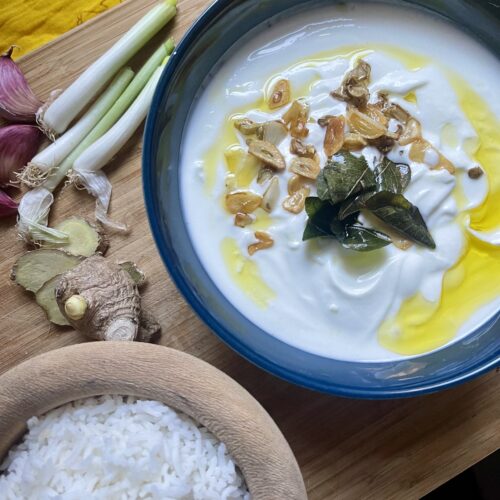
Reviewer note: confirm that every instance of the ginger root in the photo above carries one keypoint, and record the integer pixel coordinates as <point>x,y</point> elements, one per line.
<point>98,298</point>
<point>101,300</point>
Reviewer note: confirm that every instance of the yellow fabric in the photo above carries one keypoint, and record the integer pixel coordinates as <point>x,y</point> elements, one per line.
<point>30,24</point>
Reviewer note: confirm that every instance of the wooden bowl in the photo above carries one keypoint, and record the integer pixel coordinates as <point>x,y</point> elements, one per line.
<point>179,380</point>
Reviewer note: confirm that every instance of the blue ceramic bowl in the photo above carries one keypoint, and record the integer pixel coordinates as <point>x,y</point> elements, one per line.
<point>203,46</point>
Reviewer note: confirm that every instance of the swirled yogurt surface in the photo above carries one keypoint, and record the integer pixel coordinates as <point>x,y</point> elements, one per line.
<point>317,296</point>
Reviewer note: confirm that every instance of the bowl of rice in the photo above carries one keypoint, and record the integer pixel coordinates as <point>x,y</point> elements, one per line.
<point>128,421</point>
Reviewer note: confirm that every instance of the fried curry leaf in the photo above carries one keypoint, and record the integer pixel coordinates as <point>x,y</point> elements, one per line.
<point>322,187</point>
<point>321,214</point>
<point>352,206</point>
<point>362,239</point>
<point>311,232</point>
<point>396,211</point>
<point>392,177</point>
<point>324,222</point>
<point>338,226</point>
<point>313,205</point>
<point>343,176</point>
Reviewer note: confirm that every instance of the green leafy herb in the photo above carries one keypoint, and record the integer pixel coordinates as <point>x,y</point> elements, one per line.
<point>354,205</point>
<point>324,222</point>
<point>363,239</point>
<point>338,227</point>
<point>322,187</point>
<point>389,176</point>
<point>321,214</point>
<point>344,177</point>
<point>392,177</point>
<point>396,211</point>
<point>345,186</point>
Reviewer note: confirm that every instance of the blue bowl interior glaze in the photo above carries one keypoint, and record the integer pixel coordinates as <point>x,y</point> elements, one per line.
<point>199,53</point>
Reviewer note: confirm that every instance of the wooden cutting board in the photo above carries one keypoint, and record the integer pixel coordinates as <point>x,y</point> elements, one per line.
<point>347,449</point>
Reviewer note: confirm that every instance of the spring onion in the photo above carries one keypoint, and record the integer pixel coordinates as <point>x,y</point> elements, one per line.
<point>56,118</point>
<point>87,167</point>
<point>35,205</point>
<point>49,158</point>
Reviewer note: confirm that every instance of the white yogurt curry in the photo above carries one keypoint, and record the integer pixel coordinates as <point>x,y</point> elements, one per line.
<point>394,90</point>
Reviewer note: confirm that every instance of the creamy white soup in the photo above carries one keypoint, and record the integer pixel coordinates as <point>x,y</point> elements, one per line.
<point>404,295</point>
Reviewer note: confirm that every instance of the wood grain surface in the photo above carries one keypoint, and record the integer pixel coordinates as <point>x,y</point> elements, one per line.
<point>161,374</point>
<point>346,449</point>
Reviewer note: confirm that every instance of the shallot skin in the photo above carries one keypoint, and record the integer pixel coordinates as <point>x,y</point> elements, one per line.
<point>18,103</point>
<point>8,206</point>
<point>18,145</point>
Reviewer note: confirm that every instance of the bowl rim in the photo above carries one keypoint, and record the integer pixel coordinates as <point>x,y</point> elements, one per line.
<point>148,371</point>
<point>182,283</point>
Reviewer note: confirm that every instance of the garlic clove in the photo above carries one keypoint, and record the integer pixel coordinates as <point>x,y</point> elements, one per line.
<point>274,132</point>
<point>17,101</point>
<point>18,145</point>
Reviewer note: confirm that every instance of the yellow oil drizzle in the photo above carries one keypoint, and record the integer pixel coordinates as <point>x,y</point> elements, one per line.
<point>411,60</point>
<point>345,52</point>
<point>215,155</point>
<point>245,273</point>
<point>411,97</point>
<point>244,166</point>
<point>262,222</point>
<point>421,326</point>
<point>228,139</point>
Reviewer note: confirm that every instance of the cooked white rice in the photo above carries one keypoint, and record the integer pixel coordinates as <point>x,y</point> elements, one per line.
<point>113,447</point>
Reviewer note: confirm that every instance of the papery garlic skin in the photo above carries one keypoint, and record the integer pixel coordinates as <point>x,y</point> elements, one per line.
<point>34,211</point>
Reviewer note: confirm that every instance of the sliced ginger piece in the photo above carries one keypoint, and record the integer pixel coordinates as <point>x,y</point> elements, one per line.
<point>46,299</point>
<point>84,238</point>
<point>35,268</point>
